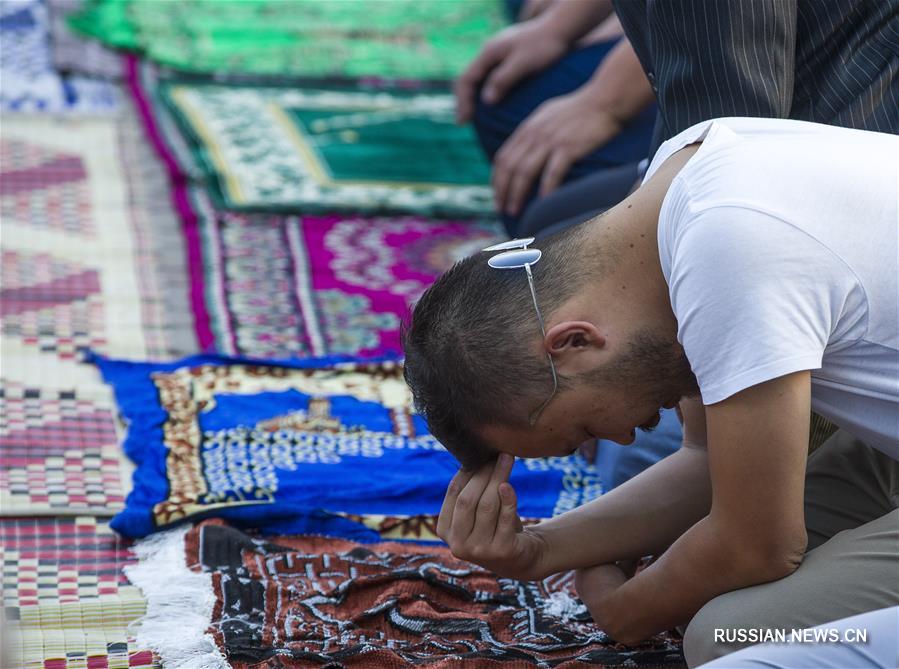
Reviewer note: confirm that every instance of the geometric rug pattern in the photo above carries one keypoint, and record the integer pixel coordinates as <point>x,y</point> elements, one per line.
<point>58,452</point>
<point>67,285</point>
<point>66,602</point>
<point>79,271</point>
<point>51,304</point>
<point>46,185</point>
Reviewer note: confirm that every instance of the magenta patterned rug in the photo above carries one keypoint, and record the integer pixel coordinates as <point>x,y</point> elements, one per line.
<point>290,286</point>
<point>272,285</point>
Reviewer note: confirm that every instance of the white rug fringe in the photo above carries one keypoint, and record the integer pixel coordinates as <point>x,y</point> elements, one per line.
<point>562,605</point>
<point>179,604</point>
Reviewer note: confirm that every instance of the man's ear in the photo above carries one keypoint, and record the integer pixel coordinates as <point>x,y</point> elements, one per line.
<point>574,345</point>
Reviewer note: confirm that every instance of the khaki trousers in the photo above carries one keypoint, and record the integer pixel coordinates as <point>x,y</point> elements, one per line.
<point>851,565</point>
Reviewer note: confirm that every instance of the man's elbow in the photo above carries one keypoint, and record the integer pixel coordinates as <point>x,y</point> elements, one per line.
<point>785,557</point>
<point>773,557</point>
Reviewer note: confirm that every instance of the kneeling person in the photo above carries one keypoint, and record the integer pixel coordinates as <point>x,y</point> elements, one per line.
<point>750,280</point>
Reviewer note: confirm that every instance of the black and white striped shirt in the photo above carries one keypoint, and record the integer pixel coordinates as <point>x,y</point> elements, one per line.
<point>829,61</point>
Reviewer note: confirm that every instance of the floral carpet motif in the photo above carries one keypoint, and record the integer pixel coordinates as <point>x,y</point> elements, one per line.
<point>332,151</point>
<point>280,286</point>
<point>317,446</point>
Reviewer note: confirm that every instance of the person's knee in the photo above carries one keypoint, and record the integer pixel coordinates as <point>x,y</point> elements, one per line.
<point>492,126</point>
<point>699,639</point>
<point>706,637</point>
<point>735,620</point>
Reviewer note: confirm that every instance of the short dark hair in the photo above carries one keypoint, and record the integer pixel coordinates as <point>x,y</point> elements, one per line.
<point>470,358</point>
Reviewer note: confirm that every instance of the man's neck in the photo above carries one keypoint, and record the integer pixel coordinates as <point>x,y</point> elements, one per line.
<point>630,231</point>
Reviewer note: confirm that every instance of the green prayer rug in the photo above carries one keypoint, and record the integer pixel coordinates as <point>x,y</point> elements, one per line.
<point>418,39</point>
<point>332,151</point>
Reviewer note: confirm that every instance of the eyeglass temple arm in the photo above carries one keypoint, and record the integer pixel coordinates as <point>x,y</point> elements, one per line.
<point>532,419</point>
<point>527,268</point>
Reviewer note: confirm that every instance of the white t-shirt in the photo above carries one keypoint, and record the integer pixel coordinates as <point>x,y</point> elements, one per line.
<point>779,241</point>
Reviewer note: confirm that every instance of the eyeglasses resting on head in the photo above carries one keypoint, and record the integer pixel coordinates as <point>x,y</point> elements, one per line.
<point>515,254</point>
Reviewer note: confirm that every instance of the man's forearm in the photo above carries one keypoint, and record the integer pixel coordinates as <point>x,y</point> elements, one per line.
<point>706,561</point>
<point>755,530</point>
<point>640,517</point>
<point>572,19</point>
<point>619,86</point>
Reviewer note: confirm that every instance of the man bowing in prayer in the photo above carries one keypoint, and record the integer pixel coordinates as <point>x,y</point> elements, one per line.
<point>750,280</point>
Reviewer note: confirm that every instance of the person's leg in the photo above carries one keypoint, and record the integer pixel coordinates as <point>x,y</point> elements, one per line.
<point>852,573</point>
<point>582,199</point>
<point>577,201</point>
<point>495,123</point>
<point>852,494</point>
<point>866,641</point>
<point>513,9</point>
<point>846,485</point>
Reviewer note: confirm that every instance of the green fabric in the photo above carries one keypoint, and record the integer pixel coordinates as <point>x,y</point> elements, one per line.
<point>403,147</point>
<point>316,150</point>
<point>420,39</point>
